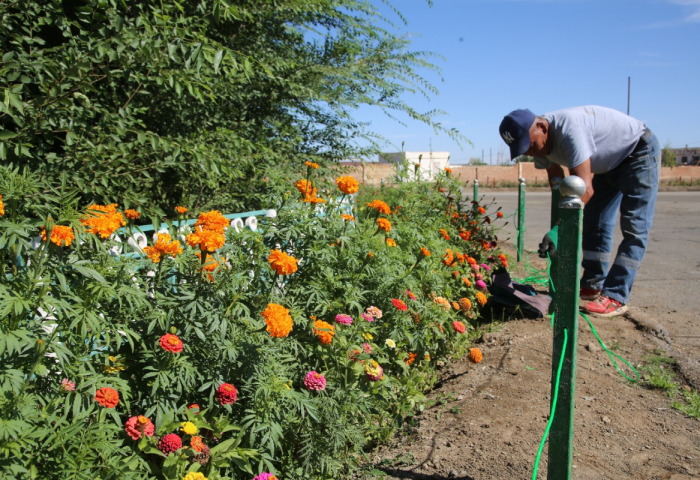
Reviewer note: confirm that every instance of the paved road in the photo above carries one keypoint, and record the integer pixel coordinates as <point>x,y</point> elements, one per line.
<point>668,284</point>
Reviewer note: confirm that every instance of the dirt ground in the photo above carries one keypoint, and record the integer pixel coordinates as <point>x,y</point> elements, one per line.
<point>489,418</point>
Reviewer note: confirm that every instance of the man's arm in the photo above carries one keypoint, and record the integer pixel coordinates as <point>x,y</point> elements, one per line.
<point>555,171</point>
<point>584,171</point>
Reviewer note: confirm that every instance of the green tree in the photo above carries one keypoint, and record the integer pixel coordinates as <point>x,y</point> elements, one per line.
<point>208,103</point>
<point>668,157</point>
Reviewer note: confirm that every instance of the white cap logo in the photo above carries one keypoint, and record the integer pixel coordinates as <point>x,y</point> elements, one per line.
<point>507,137</point>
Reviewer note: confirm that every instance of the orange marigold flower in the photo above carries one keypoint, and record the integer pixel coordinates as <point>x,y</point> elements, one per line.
<point>132,214</point>
<point>481,298</point>
<point>380,206</point>
<point>427,357</point>
<point>425,252</point>
<point>370,254</point>
<point>471,261</point>
<point>499,214</point>
<point>465,235</point>
<point>455,305</point>
<point>448,170</point>
<point>212,221</point>
<point>444,234</point>
<point>384,224</point>
<point>475,355</point>
<point>282,263</point>
<point>399,304</point>
<point>171,343</point>
<point>466,281</point>
<point>196,443</point>
<point>411,358</point>
<point>348,218</point>
<point>482,210</point>
<point>465,304</point>
<point>325,331</point>
<point>165,245</point>
<point>208,240</point>
<point>311,165</point>
<point>181,210</point>
<point>279,322</point>
<point>455,274</point>
<point>448,259</point>
<point>2,206</point>
<point>304,186</point>
<point>103,220</point>
<point>390,242</point>
<point>347,184</point>
<point>107,397</point>
<point>485,244</point>
<point>460,257</point>
<point>60,235</point>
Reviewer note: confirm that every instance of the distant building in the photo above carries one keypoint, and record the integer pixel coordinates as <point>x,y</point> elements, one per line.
<point>430,163</point>
<point>687,156</point>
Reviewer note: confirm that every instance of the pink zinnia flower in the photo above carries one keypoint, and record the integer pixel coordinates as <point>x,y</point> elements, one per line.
<point>367,316</point>
<point>474,266</point>
<point>410,295</point>
<point>485,267</point>
<point>139,425</point>
<point>343,319</point>
<point>265,476</point>
<point>480,285</point>
<point>67,385</point>
<point>315,381</point>
<point>479,276</point>
<point>366,347</point>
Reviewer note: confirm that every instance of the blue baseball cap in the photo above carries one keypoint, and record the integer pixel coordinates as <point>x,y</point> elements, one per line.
<point>515,131</point>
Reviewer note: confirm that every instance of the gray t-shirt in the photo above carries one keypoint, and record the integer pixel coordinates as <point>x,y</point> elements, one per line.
<point>602,134</point>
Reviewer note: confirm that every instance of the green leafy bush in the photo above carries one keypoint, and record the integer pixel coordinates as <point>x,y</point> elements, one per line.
<point>110,359</point>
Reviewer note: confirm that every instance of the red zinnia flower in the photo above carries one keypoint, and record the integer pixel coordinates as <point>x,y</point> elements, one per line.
<point>171,343</point>
<point>137,426</point>
<point>170,443</point>
<point>458,327</point>
<point>399,304</point>
<point>107,397</point>
<point>226,394</point>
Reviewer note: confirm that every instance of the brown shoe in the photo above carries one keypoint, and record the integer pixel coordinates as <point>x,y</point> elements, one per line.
<point>589,294</point>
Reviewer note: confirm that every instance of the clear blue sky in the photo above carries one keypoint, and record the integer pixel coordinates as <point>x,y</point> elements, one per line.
<point>550,54</point>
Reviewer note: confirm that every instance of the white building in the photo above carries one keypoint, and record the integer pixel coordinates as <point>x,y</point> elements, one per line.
<point>430,163</point>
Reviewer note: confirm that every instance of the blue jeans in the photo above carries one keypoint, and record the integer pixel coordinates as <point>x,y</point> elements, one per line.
<point>631,189</point>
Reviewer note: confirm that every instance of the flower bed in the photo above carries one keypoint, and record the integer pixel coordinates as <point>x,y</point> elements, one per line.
<point>281,353</point>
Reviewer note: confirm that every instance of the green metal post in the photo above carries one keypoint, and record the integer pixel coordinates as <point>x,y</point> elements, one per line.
<point>554,220</point>
<point>476,190</point>
<point>521,220</point>
<point>561,436</point>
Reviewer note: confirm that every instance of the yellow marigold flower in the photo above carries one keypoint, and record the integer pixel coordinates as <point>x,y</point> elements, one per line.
<point>481,298</point>
<point>384,224</point>
<point>194,476</point>
<point>424,251</point>
<point>181,210</point>
<point>165,245</point>
<point>103,220</point>
<point>390,343</point>
<point>347,184</point>
<point>390,242</point>
<point>189,428</point>
<point>282,263</point>
<point>279,322</point>
<point>60,235</point>
<point>206,240</point>
<point>324,331</point>
<point>132,214</point>
<point>2,206</point>
<point>311,165</point>
<point>348,218</point>
<point>367,336</point>
<point>212,221</point>
<point>380,206</point>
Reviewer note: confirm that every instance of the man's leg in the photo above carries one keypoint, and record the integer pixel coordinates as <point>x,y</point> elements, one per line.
<point>639,183</point>
<point>599,218</point>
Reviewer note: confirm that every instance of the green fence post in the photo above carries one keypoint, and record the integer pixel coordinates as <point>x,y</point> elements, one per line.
<point>554,220</point>
<point>476,190</point>
<point>561,437</point>
<point>521,219</point>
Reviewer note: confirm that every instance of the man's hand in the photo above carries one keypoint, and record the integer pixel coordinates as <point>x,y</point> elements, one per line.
<point>548,245</point>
